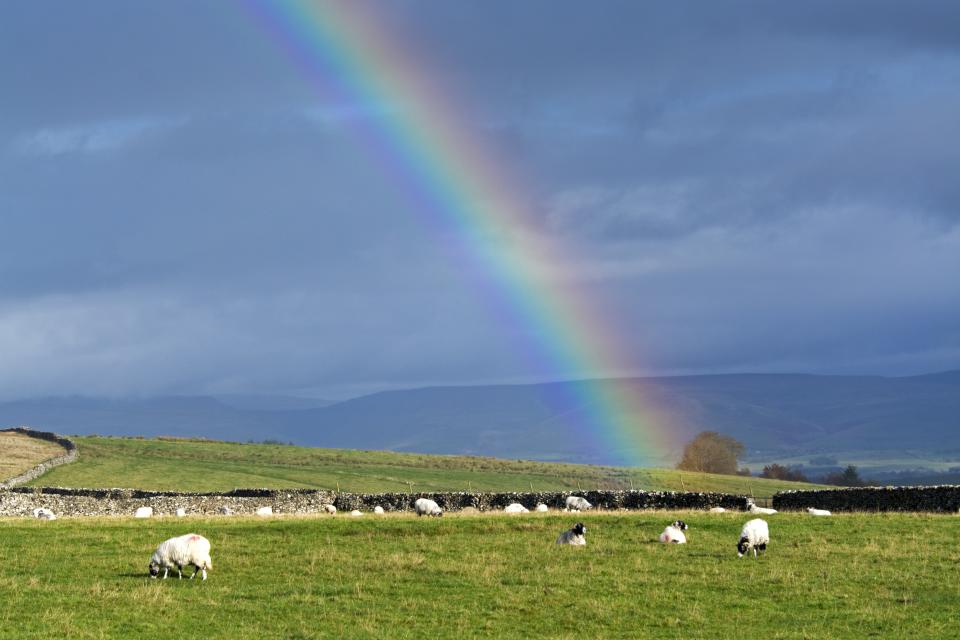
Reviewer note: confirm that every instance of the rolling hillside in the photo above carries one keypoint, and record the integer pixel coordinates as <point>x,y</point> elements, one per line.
<point>185,465</point>
<point>775,415</point>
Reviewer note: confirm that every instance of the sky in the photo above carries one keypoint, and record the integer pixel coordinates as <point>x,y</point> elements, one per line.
<point>763,187</point>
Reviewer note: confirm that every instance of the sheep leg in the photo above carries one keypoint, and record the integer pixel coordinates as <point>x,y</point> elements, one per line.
<point>196,571</point>
<point>165,573</point>
<point>204,574</point>
<point>179,572</point>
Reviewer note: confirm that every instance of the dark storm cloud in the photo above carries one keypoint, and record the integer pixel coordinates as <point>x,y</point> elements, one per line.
<point>741,186</point>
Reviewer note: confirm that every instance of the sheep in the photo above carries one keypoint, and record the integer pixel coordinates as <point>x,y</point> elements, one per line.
<point>755,535</point>
<point>44,514</point>
<point>181,551</point>
<point>378,510</point>
<point>674,533</point>
<point>574,535</point>
<point>818,512</point>
<point>542,508</point>
<point>329,508</point>
<point>761,510</point>
<point>427,507</point>
<point>576,503</point>
<point>265,511</point>
<point>718,510</point>
<point>181,512</point>
<point>515,507</point>
<point>143,512</point>
<point>356,512</point>
<point>227,511</point>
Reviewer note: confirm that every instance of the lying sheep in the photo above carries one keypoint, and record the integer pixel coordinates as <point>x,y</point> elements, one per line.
<point>179,552</point>
<point>227,511</point>
<point>44,514</point>
<point>818,512</point>
<point>674,533</point>
<point>143,512</point>
<point>329,508</point>
<point>718,510</point>
<point>265,511</point>
<point>761,510</point>
<point>542,508</point>
<point>573,535</point>
<point>181,512</point>
<point>576,503</point>
<point>755,535</point>
<point>356,512</point>
<point>378,510</point>
<point>427,507</point>
<point>515,507</point>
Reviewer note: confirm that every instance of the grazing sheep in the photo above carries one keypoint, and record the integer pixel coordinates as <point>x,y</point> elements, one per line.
<point>143,512</point>
<point>329,508</point>
<point>818,512</point>
<point>573,535</point>
<point>265,511</point>
<point>181,512</point>
<point>356,512</point>
<point>180,552</point>
<point>515,507</point>
<point>718,510</point>
<point>542,508</point>
<point>761,510</point>
<point>427,507</point>
<point>576,503</point>
<point>378,510</point>
<point>755,535</point>
<point>674,533</point>
<point>44,514</point>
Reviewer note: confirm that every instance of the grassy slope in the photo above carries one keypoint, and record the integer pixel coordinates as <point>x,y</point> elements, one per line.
<point>210,466</point>
<point>850,576</point>
<point>19,453</point>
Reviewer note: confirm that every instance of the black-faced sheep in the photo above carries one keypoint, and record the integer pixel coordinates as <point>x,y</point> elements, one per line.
<point>574,535</point>
<point>427,507</point>
<point>674,533</point>
<point>179,552</point>
<point>44,514</point>
<point>755,535</point>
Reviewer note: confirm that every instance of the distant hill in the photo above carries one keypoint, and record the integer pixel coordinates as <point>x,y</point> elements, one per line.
<point>773,414</point>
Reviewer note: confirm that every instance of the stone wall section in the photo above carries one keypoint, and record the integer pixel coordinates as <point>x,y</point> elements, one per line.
<point>21,501</point>
<point>943,498</point>
<point>70,454</point>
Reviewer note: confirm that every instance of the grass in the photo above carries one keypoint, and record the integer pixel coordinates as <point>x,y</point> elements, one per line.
<point>190,465</point>
<point>850,576</point>
<point>18,453</point>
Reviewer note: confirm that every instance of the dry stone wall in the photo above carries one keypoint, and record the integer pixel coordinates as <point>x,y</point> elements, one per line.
<point>70,454</point>
<point>21,501</point>
<point>927,499</point>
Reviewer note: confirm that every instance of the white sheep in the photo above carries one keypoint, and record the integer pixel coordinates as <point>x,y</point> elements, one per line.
<point>181,512</point>
<point>143,512</point>
<point>674,533</point>
<point>718,510</point>
<point>378,510</point>
<point>760,510</point>
<point>427,507</point>
<point>574,535</point>
<point>576,503</point>
<point>329,508</point>
<point>44,514</point>
<point>755,535</point>
<point>179,552</point>
<point>227,511</point>
<point>818,512</point>
<point>265,511</point>
<point>542,508</point>
<point>515,507</point>
<point>356,512</point>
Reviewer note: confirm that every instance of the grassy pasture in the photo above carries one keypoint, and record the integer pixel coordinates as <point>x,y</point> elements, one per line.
<point>19,453</point>
<point>850,576</point>
<point>190,465</point>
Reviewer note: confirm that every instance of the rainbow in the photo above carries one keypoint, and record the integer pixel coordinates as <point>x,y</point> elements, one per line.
<point>414,130</point>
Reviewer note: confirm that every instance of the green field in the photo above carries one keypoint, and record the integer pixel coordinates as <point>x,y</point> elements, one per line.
<point>850,576</point>
<point>189,465</point>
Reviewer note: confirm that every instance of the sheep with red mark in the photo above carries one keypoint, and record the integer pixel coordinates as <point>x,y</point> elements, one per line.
<point>180,552</point>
